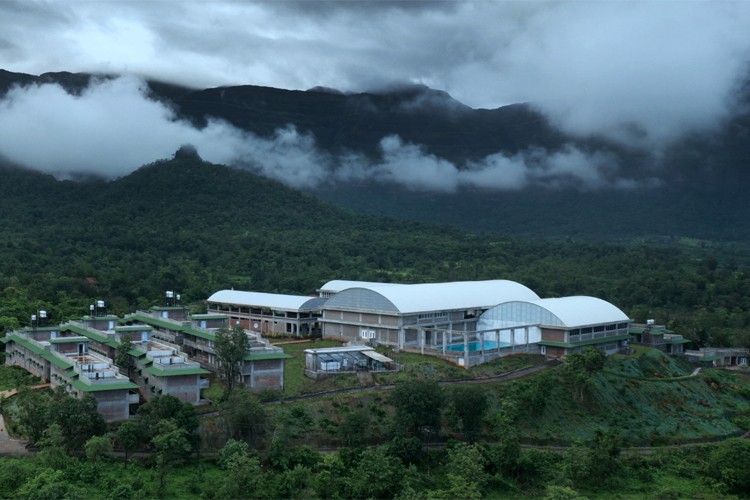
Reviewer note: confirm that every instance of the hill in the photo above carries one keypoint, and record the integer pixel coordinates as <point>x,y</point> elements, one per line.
<point>196,227</point>
<point>700,177</point>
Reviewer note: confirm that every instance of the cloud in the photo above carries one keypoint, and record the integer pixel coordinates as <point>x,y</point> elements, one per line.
<point>112,128</point>
<point>642,72</point>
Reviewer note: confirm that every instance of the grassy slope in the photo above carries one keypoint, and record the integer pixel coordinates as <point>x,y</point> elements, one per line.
<point>648,399</point>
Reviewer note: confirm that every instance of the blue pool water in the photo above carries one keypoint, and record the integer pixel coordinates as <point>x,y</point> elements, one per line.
<point>476,346</point>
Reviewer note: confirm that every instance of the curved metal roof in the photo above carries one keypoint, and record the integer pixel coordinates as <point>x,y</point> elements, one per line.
<point>275,301</point>
<point>429,297</point>
<point>569,312</point>
<point>336,286</point>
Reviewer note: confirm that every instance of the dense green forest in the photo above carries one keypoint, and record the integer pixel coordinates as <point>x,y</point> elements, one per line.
<point>196,227</point>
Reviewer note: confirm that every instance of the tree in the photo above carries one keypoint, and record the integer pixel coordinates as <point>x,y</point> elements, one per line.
<point>243,477</point>
<point>231,347</point>
<point>353,428</point>
<point>78,419</point>
<point>98,447</point>
<point>245,416</point>
<point>171,445</point>
<point>129,434</point>
<point>418,406</point>
<point>122,356</point>
<point>52,446</point>
<point>581,366</point>
<point>33,414</point>
<point>167,407</point>
<point>469,404</point>
<point>376,475</point>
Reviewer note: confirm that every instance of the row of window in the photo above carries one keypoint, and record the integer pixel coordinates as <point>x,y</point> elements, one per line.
<point>597,329</point>
<point>440,314</point>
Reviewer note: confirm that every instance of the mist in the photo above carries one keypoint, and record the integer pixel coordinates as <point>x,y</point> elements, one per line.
<point>113,128</point>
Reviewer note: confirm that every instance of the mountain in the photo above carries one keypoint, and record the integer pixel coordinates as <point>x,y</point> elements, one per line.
<point>701,195</point>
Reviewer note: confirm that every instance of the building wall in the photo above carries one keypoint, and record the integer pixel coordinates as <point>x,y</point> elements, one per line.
<point>113,405</point>
<point>553,335</point>
<point>554,352</point>
<point>18,355</point>
<point>184,387</point>
<point>264,375</point>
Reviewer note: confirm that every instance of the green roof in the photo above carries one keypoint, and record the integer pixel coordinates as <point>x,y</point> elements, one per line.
<point>68,340</point>
<point>98,337</point>
<point>570,345</point>
<point>199,333</point>
<point>115,386</point>
<point>677,341</point>
<point>271,355</point>
<point>133,328</point>
<point>174,372</point>
<point>137,353</point>
<point>175,327</point>
<point>42,329</point>
<point>58,361</point>
<point>28,344</point>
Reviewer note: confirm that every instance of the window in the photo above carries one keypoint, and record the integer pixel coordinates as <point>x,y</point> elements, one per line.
<point>441,314</point>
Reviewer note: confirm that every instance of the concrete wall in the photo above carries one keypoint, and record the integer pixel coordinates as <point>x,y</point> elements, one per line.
<point>184,387</point>
<point>264,375</point>
<point>113,405</point>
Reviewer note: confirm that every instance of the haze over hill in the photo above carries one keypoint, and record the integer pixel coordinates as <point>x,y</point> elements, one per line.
<point>413,137</point>
<point>407,151</point>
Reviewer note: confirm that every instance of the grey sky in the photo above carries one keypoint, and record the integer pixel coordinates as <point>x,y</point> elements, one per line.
<point>642,72</point>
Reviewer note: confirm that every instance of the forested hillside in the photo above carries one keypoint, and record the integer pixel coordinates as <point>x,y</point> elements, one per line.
<point>688,192</point>
<point>196,227</point>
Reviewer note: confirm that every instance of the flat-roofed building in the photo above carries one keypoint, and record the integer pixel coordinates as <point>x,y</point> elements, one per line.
<point>62,358</point>
<point>269,313</point>
<point>263,366</point>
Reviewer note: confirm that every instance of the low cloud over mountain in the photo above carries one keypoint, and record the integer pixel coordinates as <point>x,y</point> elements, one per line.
<point>410,136</point>
<point>114,125</point>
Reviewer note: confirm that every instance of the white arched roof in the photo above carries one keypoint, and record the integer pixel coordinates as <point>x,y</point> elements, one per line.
<point>428,297</point>
<point>335,286</point>
<point>568,312</point>
<point>275,301</point>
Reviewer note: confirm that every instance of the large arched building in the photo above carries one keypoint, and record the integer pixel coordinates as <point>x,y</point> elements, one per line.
<point>558,325</point>
<point>391,314</point>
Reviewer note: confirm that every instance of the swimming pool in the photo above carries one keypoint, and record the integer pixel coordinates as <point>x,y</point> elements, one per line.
<point>477,346</point>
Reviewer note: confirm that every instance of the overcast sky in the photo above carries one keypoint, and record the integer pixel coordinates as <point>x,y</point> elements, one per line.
<point>639,71</point>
